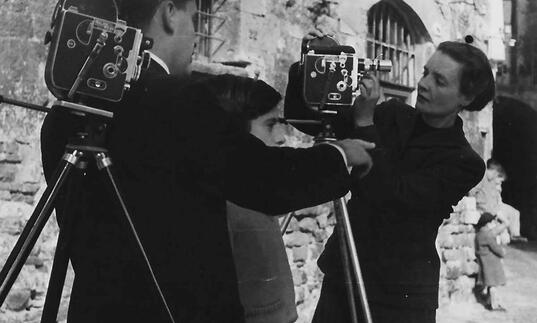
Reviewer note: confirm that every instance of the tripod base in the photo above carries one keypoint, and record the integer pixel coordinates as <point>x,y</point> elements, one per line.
<point>76,156</point>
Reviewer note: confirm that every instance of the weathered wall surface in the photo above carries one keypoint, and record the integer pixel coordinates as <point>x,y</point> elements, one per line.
<point>265,33</point>
<point>22,64</point>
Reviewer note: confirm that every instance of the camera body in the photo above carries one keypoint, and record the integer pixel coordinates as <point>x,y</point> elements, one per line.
<point>91,56</point>
<point>332,72</point>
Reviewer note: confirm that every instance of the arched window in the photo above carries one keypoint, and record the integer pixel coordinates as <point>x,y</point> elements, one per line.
<point>390,38</point>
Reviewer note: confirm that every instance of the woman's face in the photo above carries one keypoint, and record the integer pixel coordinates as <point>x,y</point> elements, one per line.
<point>439,97</point>
<point>268,128</point>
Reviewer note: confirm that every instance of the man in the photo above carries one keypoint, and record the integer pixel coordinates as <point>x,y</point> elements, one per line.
<point>178,157</point>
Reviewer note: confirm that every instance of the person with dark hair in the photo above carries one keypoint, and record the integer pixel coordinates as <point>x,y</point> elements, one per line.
<point>489,254</point>
<point>265,281</point>
<point>178,157</point>
<point>488,195</point>
<point>423,165</point>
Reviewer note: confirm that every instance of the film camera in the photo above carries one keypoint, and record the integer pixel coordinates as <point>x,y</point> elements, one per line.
<point>327,79</point>
<point>92,52</point>
<point>331,73</point>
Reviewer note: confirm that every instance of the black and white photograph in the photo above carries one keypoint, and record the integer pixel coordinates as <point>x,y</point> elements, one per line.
<point>268,161</point>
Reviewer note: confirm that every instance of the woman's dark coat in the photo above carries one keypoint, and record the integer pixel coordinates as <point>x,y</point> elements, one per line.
<point>397,208</point>
<point>489,254</point>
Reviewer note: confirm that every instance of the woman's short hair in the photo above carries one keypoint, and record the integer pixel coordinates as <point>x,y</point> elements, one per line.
<point>476,77</point>
<point>243,97</point>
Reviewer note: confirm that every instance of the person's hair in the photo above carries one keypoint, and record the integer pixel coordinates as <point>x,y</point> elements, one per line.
<point>138,13</point>
<point>476,77</point>
<point>493,164</point>
<point>484,219</point>
<point>242,97</point>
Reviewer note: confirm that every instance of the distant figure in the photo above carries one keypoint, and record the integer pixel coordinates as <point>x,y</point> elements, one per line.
<point>489,254</point>
<point>489,199</point>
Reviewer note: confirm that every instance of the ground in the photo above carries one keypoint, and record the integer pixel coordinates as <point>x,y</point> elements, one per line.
<point>519,295</point>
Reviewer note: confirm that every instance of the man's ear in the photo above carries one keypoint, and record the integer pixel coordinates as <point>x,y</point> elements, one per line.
<point>168,13</point>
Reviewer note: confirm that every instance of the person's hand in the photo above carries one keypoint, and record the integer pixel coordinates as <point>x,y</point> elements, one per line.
<point>312,34</point>
<point>364,106</point>
<point>356,153</point>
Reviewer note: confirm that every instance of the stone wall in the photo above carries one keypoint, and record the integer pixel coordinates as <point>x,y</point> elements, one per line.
<point>22,64</point>
<point>456,248</point>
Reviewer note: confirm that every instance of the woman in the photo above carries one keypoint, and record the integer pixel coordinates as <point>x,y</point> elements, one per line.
<point>489,254</point>
<point>265,281</point>
<point>421,167</point>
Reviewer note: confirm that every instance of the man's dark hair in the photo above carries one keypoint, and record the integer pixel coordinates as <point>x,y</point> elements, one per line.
<point>484,219</point>
<point>244,98</point>
<point>476,77</point>
<point>138,13</point>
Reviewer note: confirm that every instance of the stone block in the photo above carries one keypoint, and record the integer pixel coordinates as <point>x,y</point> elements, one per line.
<point>470,216</point>
<point>293,225</point>
<point>9,152</point>
<point>299,276</point>
<point>320,235</point>
<point>470,268</point>
<point>11,225</point>
<point>322,220</point>
<point>453,269</point>
<point>307,225</point>
<point>449,228</point>
<point>316,249</point>
<point>453,254</point>
<point>469,253</point>
<point>300,254</point>
<point>297,239</point>
<point>18,299</point>
<point>459,240</point>
<point>313,211</point>
<point>7,172</point>
<point>15,209</point>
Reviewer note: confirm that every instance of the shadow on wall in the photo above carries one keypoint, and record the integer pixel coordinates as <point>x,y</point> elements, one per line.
<point>515,147</point>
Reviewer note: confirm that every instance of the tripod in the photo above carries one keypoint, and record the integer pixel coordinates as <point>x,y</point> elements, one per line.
<point>349,253</point>
<point>85,146</point>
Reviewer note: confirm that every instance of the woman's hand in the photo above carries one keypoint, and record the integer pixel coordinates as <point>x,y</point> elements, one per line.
<point>364,106</point>
<point>312,34</point>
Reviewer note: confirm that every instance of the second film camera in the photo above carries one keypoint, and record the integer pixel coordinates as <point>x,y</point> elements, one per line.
<point>332,73</point>
<point>92,52</point>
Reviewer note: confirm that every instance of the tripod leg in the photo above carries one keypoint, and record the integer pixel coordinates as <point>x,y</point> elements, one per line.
<point>344,249</point>
<point>341,209</point>
<point>58,272</point>
<point>285,222</point>
<point>104,163</point>
<point>34,226</point>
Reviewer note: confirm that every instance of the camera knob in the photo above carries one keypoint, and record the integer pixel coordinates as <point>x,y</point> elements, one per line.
<point>48,37</point>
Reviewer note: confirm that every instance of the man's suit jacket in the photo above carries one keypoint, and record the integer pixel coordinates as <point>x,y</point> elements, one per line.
<point>177,157</point>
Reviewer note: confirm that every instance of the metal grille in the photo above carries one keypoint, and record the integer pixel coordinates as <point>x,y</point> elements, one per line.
<point>207,25</point>
<point>390,38</point>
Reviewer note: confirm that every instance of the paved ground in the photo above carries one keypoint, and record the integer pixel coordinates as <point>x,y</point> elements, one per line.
<point>519,295</point>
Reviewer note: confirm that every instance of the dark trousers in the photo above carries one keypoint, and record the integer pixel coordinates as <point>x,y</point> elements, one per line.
<point>333,306</point>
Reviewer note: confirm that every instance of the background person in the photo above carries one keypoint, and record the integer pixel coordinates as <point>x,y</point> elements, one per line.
<point>178,157</point>
<point>266,286</point>
<point>422,166</point>
<point>489,254</point>
<point>488,196</point>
